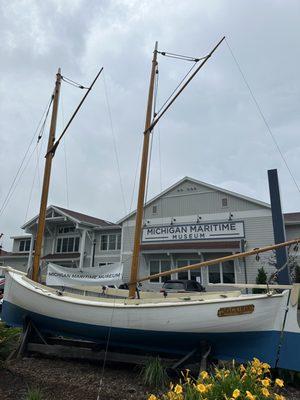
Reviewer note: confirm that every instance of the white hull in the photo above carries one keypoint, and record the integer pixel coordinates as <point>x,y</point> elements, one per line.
<point>171,324</point>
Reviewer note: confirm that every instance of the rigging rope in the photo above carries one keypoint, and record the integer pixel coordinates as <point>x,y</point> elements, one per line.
<point>106,351</point>
<point>180,56</point>
<point>114,143</point>
<point>73,83</point>
<point>16,177</point>
<point>176,88</point>
<point>262,115</point>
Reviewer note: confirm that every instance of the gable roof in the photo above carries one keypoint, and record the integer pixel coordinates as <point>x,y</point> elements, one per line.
<point>77,217</point>
<point>209,186</point>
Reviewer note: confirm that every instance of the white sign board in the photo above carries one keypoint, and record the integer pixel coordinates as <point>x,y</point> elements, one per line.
<point>199,231</point>
<point>63,276</point>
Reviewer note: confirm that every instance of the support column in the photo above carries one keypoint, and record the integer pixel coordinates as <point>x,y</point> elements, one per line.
<point>82,248</point>
<point>29,262</point>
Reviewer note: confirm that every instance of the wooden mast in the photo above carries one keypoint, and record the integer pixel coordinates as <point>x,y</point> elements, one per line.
<point>46,181</point>
<point>142,185</point>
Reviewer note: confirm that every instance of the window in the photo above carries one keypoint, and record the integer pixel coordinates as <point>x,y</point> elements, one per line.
<point>157,266</point>
<point>110,242</point>
<point>224,202</point>
<point>67,245</point>
<point>154,209</point>
<point>66,229</point>
<point>194,274</point>
<point>103,264</point>
<point>222,272</point>
<point>24,245</point>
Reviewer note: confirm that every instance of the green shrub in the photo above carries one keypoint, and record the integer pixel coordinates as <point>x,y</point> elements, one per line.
<point>250,382</point>
<point>34,394</point>
<point>9,338</point>
<point>261,279</point>
<point>154,374</point>
<point>297,274</point>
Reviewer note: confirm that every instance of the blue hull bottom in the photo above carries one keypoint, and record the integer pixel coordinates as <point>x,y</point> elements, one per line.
<point>241,346</point>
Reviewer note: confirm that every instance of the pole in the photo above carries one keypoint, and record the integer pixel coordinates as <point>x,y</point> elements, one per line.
<point>142,185</point>
<point>46,181</point>
<point>278,227</point>
<point>221,259</point>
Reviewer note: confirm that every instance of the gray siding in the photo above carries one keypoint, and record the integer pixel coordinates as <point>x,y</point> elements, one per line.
<point>189,199</point>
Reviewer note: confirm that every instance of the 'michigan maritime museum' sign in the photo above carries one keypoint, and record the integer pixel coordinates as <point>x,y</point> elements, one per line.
<point>203,231</point>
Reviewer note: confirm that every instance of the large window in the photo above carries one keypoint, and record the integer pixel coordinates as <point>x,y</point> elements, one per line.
<point>24,245</point>
<point>110,242</point>
<point>157,266</point>
<point>194,274</point>
<point>222,272</point>
<point>67,245</point>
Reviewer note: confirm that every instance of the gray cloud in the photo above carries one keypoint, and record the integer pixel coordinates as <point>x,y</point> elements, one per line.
<point>212,133</point>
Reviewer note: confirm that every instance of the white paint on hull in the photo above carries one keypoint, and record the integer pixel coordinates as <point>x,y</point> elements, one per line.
<point>192,316</point>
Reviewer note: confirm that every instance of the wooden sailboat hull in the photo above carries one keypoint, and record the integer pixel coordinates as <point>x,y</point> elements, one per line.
<point>174,326</point>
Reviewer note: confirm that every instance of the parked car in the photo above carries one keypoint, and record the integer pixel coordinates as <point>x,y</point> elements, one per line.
<point>182,286</point>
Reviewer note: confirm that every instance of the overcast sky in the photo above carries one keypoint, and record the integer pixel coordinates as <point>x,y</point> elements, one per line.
<point>213,133</point>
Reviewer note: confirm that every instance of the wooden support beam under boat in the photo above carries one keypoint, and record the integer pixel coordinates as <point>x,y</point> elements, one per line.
<point>218,260</point>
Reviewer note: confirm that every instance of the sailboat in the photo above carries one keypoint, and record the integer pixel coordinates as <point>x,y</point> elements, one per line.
<point>236,325</point>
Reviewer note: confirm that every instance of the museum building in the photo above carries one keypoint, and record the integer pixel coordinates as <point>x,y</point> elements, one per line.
<point>189,222</point>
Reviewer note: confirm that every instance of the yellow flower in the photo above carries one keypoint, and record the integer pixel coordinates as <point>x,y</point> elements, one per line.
<point>152,397</point>
<point>236,393</point>
<point>249,395</point>
<point>201,388</point>
<point>242,368</point>
<point>256,363</point>
<point>209,386</point>
<point>265,382</point>
<point>265,392</point>
<point>259,371</point>
<point>218,375</point>
<point>178,389</point>
<point>279,397</point>
<point>204,375</point>
<point>265,366</point>
<point>279,382</point>
<point>171,395</point>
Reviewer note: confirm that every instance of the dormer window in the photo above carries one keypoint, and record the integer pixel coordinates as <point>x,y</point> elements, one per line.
<point>24,245</point>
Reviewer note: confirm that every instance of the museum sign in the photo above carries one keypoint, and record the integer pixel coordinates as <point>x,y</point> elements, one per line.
<point>198,231</point>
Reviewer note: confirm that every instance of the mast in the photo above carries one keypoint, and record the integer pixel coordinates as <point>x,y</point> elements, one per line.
<point>46,181</point>
<point>142,185</point>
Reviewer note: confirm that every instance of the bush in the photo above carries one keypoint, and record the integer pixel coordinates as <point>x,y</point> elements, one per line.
<point>261,279</point>
<point>154,374</point>
<point>250,382</point>
<point>9,338</point>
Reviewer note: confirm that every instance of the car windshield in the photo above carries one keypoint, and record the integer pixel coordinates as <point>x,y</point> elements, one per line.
<point>174,285</point>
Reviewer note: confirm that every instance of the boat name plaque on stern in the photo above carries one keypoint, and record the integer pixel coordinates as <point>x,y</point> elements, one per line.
<point>238,310</point>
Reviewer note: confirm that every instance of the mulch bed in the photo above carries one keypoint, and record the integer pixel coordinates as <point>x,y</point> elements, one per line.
<point>70,380</point>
